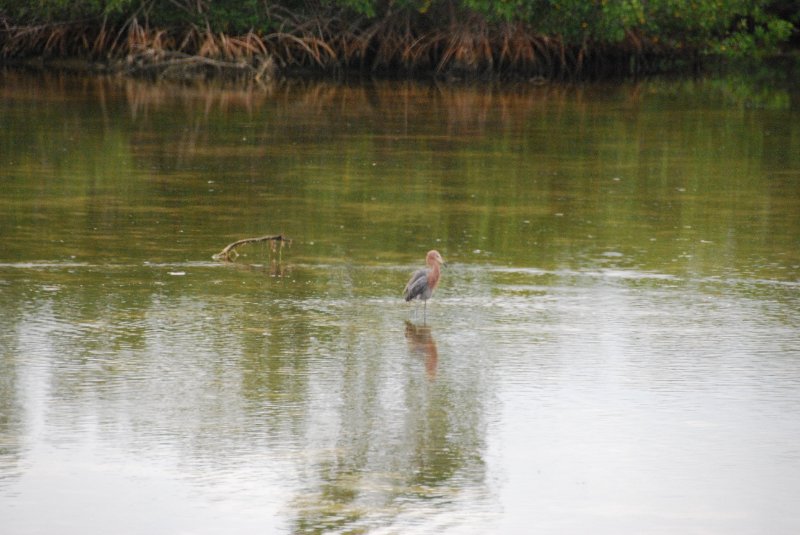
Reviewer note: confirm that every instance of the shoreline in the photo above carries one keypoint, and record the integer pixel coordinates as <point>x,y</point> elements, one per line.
<point>187,68</point>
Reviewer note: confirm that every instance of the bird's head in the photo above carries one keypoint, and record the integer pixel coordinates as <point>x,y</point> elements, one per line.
<point>435,258</point>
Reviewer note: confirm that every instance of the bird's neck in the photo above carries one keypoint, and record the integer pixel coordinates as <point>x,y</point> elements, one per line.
<point>433,276</point>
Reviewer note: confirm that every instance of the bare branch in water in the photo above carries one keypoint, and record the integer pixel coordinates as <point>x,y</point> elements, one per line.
<point>229,252</point>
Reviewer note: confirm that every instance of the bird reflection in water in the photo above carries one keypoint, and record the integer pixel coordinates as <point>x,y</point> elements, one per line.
<point>421,343</point>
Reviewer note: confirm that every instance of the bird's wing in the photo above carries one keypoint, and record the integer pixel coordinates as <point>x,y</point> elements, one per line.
<point>417,284</point>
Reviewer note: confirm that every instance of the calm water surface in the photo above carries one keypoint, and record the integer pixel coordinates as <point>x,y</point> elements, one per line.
<point>614,347</point>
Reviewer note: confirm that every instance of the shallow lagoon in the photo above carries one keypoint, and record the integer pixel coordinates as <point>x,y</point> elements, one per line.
<point>614,347</point>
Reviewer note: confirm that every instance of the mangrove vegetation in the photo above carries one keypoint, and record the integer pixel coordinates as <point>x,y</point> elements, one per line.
<point>451,38</point>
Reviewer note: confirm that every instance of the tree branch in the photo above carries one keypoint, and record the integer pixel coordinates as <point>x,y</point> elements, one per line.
<point>229,252</point>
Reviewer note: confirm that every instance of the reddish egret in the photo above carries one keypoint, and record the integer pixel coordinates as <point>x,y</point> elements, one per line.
<point>424,281</point>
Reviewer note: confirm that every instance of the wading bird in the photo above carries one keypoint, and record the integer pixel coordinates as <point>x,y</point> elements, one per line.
<point>424,281</point>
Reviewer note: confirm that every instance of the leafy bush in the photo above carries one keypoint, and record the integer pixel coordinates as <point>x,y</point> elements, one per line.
<point>424,30</point>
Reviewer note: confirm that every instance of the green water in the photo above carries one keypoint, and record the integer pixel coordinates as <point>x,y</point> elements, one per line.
<point>614,346</point>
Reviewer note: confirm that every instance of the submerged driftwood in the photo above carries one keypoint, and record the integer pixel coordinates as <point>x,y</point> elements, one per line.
<point>175,65</point>
<point>229,252</point>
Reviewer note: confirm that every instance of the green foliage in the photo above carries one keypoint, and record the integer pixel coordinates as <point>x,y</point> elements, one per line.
<point>54,11</point>
<point>361,7</point>
<point>235,17</point>
<point>740,28</point>
<point>755,35</point>
<point>728,26</point>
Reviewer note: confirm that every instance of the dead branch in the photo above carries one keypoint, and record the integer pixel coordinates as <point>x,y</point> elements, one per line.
<point>229,252</point>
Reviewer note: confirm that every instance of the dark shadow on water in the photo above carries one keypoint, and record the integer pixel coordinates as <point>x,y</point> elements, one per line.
<point>422,344</point>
